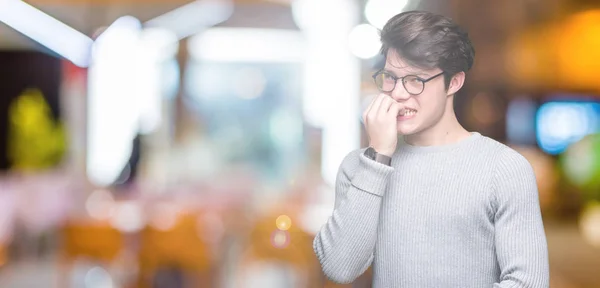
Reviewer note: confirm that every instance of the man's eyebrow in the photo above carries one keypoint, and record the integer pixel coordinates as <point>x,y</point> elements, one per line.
<point>415,73</point>
<point>389,71</point>
<point>418,73</point>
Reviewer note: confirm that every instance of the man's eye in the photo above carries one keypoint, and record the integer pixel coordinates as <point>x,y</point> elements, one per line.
<point>412,80</point>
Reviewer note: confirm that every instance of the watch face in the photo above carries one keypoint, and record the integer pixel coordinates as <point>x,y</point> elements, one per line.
<point>370,153</point>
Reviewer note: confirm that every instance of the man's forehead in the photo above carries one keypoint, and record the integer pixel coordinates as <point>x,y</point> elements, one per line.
<point>394,62</point>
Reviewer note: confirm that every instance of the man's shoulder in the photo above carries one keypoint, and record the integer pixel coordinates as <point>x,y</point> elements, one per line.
<point>500,155</point>
<point>503,157</point>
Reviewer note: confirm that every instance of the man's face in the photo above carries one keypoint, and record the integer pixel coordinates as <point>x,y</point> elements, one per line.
<point>422,111</point>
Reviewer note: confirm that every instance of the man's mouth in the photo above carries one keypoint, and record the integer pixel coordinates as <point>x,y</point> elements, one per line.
<point>407,112</point>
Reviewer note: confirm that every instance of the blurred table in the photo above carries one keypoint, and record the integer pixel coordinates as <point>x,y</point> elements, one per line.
<point>573,262</point>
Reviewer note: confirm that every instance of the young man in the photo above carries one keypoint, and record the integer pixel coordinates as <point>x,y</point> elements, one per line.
<point>450,208</point>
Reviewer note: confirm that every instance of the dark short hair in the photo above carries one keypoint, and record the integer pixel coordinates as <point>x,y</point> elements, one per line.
<point>427,40</point>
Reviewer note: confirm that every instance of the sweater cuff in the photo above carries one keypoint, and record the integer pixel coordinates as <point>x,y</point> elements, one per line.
<point>372,176</point>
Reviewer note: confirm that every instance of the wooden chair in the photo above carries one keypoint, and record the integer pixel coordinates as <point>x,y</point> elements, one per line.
<point>94,240</point>
<point>283,244</point>
<point>180,247</point>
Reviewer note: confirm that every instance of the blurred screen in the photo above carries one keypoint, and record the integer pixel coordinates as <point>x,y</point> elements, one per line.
<point>559,123</point>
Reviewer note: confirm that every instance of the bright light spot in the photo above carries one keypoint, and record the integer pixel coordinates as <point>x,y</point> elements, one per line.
<point>590,224</point>
<point>317,16</point>
<point>248,83</point>
<point>125,28</point>
<point>42,28</point>
<point>112,102</point>
<point>378,12</point>
<point>155,48</point>
<point>128,217</point>
<point>125,93</point>
<point>160,44</point>
<point>97,277</point>
<point>193,17</point>
<point>364,41</point>
<point>280,239</point>
<point>330,100</point>
<point>247,45</point>
<point>283,222</point>
<point>100,205</point>
<point>560,124</point>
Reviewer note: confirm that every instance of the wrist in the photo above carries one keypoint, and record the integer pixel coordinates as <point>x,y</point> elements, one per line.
<point>385,152</point>
<point>372,154</point>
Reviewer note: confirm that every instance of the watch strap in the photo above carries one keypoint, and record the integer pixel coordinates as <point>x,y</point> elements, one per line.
<point>379,158</point>
<point>383,159</point>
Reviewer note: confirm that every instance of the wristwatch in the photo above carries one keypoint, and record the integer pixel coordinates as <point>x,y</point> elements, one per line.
<point>380,158</point>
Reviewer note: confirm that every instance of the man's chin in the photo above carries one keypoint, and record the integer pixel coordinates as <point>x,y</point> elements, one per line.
<point>407,130</point>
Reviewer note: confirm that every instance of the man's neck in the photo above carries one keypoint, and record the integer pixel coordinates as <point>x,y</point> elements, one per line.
<point>447,131</point>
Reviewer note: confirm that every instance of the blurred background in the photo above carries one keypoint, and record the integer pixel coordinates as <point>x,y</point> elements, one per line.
<point>155,143</point>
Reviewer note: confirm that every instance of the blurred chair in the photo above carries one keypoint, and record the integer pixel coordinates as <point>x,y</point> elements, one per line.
<point>176,248</point>
<point>93,240</point>
<point>276,245</point>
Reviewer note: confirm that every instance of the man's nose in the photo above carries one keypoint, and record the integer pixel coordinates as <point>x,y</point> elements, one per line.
<point>399,93</point>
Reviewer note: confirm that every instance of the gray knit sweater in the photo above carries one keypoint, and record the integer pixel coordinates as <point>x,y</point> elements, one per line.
<point>461,215</point>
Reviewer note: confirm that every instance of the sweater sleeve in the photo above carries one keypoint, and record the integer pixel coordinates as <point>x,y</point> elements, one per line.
<point>520,240</point>
<point>345,244</point>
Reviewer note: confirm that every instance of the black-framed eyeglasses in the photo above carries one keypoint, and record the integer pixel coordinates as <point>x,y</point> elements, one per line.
<point>414,85</point>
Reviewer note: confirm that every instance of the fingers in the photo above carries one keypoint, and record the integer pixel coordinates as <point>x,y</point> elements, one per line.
<point>385,105</point>
<point>371,112</point>
<point>381,107</point>
<point>394,109</point>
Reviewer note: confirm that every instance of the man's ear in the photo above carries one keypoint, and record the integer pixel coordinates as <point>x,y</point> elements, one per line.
<point>456,82</point>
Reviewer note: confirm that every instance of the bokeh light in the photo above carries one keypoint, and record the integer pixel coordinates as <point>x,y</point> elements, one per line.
<point>283,222</point>
<point>364,41</point>
<point>100,204</point>
<point>581,164</point>
<point>561,123</point>
<point>280,239</point>
<point>127,217</point>
<point>589,223</point>
<point>577,43</point>
<point>97,277</point>
<point>378,12</point>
